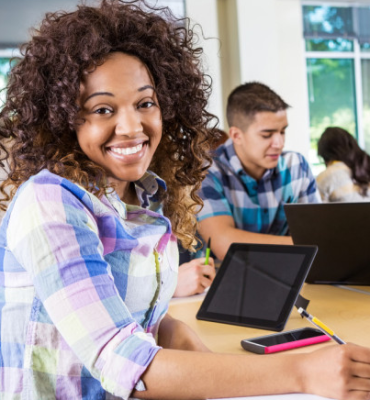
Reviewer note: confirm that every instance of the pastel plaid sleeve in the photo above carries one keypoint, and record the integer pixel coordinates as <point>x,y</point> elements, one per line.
<point>55,237</point>
<point>213,195</point>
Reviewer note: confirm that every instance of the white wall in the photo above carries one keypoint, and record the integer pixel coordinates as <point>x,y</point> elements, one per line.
<point>270,49</point>
<point>204,13</point>
<point>272,52</point>
<point>292,83</point>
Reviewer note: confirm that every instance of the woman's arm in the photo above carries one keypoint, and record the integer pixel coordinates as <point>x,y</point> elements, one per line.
<point>340,372</point>
<point>176,335</point>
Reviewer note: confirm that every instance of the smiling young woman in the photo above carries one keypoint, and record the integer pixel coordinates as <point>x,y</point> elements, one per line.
<point>122,123</point>
<point>109,139</point>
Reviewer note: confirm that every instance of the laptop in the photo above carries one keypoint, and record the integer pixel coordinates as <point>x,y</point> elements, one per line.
<point>342,233</point>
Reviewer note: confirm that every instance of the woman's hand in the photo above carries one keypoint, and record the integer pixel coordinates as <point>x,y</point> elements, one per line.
<point>341,372</point>
<point>194,277</point>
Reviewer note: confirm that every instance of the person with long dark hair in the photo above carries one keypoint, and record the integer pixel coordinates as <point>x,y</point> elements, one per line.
<point>347,174</point>
<point>106,102</point>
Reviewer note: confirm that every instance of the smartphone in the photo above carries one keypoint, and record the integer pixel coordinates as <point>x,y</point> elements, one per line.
<point>284,341</point>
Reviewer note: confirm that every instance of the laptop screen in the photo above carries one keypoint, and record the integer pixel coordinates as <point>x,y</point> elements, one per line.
<point>340,230</point>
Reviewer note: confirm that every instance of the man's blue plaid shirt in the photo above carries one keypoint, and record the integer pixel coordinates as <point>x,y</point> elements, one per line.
<point>256,206</point>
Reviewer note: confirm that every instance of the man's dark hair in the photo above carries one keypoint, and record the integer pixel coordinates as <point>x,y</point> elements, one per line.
<point>246,100</point>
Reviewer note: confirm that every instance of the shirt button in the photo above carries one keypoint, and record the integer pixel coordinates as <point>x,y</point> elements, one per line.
<point>265,210</point>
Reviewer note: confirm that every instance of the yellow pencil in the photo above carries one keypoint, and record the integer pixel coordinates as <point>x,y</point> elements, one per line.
<point>323,328</point>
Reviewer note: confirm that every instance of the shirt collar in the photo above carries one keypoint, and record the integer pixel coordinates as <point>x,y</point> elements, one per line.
<point>146,189</point>
<point>229,153</point>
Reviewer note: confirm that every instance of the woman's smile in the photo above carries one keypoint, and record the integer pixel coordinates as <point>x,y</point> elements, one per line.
<point>125,151</point>
<point>128,153</point>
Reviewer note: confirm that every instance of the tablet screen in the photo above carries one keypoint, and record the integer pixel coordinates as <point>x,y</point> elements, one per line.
<point>257,285</point>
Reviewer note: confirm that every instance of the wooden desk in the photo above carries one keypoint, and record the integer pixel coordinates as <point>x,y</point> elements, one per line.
<point>345,311</point>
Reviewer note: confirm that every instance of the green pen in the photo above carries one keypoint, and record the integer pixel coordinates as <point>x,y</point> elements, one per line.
<point>208,251</point>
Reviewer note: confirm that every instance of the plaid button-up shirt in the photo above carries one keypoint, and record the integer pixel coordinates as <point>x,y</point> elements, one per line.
<point>84,283</point>
<point>256,206</point>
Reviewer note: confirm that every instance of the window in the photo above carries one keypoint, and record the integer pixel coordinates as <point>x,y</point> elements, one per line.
<point>337,43</point>
<point>5,66</point>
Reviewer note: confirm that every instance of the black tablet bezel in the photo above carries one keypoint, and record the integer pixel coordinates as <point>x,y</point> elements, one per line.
<point>308,251</point>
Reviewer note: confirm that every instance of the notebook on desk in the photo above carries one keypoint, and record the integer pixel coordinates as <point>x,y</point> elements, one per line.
<point>341,232</point>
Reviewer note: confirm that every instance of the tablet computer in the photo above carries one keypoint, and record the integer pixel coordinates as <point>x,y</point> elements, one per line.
<point>257,285</point>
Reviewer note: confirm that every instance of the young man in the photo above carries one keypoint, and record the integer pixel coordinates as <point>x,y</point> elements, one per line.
<point>252,178</point>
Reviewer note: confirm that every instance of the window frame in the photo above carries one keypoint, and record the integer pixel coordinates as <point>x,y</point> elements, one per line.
<point>356,55</point>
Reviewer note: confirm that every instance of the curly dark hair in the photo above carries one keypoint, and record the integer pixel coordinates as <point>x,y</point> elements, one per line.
<point>337,144</point>
<point>37,122</point>
<point>248,99</point>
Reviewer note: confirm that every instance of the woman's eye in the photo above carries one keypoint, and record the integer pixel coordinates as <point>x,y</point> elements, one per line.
<point>147,104</point>
<point>102,110</point>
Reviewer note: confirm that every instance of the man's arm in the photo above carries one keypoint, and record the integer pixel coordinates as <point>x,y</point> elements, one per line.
<point>223,232</point>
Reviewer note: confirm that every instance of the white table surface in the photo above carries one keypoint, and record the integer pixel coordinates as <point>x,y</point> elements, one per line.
<point>293,396</point>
